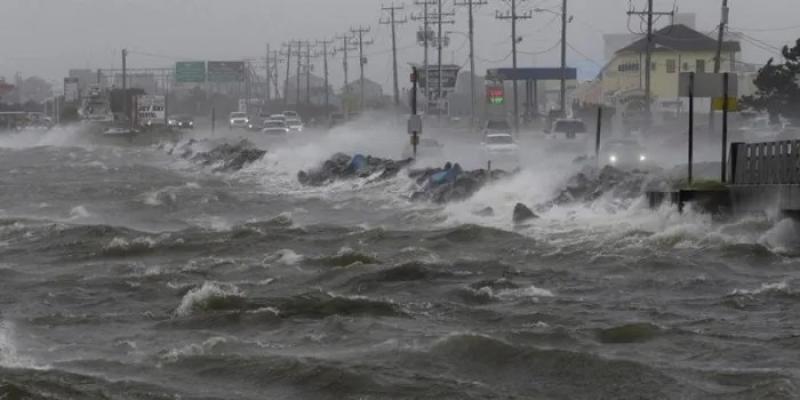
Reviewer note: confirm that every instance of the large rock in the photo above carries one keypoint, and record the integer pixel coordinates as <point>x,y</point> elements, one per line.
<point>591,184</point>
<point>451,183</point>
<point>342,166</point>
<point>523,214</point>
<point>227,157</point>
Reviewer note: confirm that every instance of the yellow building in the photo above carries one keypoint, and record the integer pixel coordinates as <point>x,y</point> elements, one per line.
<point>676,48</point>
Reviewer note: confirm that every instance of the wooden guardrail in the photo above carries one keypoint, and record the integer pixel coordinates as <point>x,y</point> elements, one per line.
<point>770,163</point>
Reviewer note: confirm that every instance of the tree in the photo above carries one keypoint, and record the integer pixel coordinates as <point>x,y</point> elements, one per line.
<point>779,87</point>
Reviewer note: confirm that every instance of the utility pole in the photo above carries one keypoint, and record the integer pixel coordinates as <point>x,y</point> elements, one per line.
<point>514,17</point>
<point>267,83</point>
<point>439,44</point>
<point>718,59</point>
<point>425,17</point>
<point>393,21</point>
<point>125,99</point>
<point>273,70</point>
<point>299,67</point>
<point>288,68</point>
<point>346,47</point>
<point>564,59</point>
<point>648,68</point>
<point>362,61</point>
<point>308,73</point>
<point>471,4</point>
<point>325,44</point>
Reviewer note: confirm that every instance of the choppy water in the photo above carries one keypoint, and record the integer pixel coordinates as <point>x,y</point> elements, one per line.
<point>129,273</point>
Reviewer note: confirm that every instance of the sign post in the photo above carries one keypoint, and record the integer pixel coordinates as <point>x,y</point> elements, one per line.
<point>414,121</point>
<point>722,89</point>
<point>599,131</point>
<point>725,80</point>
<point>691,125</point>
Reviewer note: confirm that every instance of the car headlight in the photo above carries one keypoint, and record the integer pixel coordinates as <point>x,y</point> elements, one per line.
<point>642,158</point>
<point>613,158</point>
<point>191,123</point>
<point>173,122</point>
<point>231,122</point>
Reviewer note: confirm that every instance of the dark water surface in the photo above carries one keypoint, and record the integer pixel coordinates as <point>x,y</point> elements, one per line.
<point>128,273</point>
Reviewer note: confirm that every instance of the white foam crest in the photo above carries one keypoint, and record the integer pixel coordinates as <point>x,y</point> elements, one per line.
<point>526,292</point>
<point>9,357</point>
<point>200,297</point>
<point>530,186</point>
<point>284,257</point>
<point>60,136</point>
<point>377,136</point>
<point>778,287</point>
<point>79,212</point>
<point>122,244</point>
<point>193,349</point>
<point>782,238</point>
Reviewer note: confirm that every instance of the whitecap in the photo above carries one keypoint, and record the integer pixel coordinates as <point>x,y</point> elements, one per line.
<point>778,287</point>
<point>200,297</point>
<point>79,212</point>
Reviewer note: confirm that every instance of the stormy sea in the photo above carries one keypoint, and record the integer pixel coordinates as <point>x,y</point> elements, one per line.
<point>204,268</point>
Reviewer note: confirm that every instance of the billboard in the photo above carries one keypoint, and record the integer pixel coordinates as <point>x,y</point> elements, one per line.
<point>226,71</point>
<point>72,89</point>
<point>430,78</point>
<point>707,85</point>
<point>151,110</point>
<point>190,72</point>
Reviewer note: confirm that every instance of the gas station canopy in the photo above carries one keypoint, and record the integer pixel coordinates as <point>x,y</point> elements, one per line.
<point>530,74</point>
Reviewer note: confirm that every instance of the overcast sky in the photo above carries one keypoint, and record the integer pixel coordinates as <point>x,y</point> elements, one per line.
<point>48,37</point>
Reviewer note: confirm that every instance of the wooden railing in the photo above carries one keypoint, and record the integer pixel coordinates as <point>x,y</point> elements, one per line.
<point>770,163</point>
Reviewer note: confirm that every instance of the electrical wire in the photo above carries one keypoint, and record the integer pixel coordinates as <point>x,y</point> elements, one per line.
<point>786,28</point>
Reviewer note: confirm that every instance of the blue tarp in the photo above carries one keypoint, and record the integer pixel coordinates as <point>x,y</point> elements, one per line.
<point>358,163</point>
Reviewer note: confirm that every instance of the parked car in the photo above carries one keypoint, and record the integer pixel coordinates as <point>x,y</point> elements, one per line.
<point>291,115</point>
<point>239,120</point>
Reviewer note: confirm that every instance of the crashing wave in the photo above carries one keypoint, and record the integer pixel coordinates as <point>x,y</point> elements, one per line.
<point>438,185</point>
<point>212,296</point>
<point>592,184</point>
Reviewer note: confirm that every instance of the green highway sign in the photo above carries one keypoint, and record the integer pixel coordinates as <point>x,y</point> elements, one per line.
<point>226,71</point>
<point>190,72</point>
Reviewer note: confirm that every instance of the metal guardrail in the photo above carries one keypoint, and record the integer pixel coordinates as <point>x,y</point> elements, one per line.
<point>770,163</point>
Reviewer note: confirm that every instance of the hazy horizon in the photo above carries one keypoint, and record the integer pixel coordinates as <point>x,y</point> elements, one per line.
<point>53,36</point>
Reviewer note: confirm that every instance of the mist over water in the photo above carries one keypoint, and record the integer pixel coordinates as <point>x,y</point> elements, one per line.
<point>131,271</point>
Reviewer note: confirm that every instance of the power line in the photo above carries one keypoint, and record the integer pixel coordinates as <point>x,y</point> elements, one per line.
<point>513,16</point>
<point>394,21</point>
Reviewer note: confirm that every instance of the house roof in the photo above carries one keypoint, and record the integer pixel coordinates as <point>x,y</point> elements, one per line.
<point>680,38</point>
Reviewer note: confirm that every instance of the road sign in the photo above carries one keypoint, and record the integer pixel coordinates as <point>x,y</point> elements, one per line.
<point>190,72</point>
<point>707,85</point>
<point>226,71</point>
<point>71,89</point>
<point>414,125</point>
<point>719,104</point>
